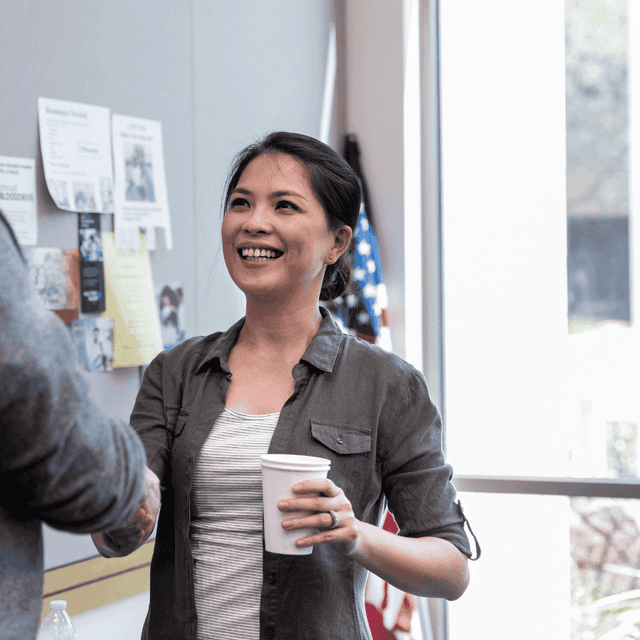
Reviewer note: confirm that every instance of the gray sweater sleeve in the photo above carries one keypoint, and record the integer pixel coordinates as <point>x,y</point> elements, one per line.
<point>65,461</point>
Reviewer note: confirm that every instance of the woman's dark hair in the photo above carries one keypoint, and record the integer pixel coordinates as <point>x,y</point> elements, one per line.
<point>333,182</point>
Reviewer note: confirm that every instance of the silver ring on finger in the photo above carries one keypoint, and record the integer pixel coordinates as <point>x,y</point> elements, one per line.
<point>334,519</point>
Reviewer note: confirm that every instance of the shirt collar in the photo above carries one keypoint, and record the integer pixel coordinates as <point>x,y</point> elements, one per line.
<point>321,353</point>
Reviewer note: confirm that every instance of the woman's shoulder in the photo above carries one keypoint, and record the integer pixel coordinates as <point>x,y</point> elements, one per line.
<point>364,368</point>
<point>369,357</point>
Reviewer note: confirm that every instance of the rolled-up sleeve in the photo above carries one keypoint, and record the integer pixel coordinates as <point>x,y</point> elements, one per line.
<point>416,479</point>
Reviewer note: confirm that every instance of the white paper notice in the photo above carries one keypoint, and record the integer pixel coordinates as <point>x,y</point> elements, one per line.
<point>18,197</point>
<point>76,155</point>
<point>140,184</point>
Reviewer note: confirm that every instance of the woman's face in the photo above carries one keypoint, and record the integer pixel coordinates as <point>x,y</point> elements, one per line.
<point>273,209</point>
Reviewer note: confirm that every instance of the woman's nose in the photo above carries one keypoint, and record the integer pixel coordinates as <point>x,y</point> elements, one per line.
<point>258,221</point>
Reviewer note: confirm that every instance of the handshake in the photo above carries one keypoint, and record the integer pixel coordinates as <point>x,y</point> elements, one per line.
<point>126,539</point>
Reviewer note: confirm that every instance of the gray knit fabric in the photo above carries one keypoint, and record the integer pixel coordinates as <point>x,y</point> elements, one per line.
<point>62,461</point>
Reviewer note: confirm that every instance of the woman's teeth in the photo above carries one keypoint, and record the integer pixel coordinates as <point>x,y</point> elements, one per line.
<point>266,254</point>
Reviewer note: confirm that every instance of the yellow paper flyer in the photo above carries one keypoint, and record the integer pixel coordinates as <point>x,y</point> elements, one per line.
<point>131,303</point>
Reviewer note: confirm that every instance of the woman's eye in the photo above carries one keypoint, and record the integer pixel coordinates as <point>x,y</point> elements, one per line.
<point>239,202</point>
<point>285,204</point>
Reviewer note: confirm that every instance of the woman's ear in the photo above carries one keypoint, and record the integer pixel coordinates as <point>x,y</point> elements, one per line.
<point>342,239</point>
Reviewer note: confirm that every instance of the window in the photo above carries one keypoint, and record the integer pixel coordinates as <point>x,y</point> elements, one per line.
<point>540,338</point>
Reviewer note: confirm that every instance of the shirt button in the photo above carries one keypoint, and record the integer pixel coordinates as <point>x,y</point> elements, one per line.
<point>340,440</point>
<point>271,633</point>
<point>271,579</point>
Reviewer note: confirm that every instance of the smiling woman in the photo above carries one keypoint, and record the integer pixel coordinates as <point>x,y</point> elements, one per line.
<point>276,237</point>
<point>319,172</point>
<point>284,379</point>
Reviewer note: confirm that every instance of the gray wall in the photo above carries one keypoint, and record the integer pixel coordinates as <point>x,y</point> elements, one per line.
<point>217,74</point>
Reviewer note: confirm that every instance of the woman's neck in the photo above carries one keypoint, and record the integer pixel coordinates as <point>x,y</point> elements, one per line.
<point>280,329</point>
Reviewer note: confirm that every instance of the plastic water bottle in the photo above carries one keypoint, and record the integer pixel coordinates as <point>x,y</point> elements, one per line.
<point>57,624</point>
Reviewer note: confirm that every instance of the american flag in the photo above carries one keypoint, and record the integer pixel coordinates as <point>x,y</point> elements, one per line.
<point>363,309</point>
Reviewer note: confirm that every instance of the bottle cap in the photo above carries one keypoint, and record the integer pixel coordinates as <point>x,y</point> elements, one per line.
<point>58,605</point>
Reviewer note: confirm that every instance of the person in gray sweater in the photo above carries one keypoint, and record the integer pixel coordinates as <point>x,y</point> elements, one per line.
<point>62,460</point>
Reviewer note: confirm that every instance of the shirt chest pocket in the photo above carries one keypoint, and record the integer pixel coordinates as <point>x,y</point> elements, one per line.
<point>341,438</point>
<point>347,446</point>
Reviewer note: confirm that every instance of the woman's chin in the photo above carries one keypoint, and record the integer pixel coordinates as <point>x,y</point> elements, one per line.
<point>262,292</point>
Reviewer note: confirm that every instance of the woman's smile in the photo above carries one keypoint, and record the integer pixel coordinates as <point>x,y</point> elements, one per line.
<point>259,254</point>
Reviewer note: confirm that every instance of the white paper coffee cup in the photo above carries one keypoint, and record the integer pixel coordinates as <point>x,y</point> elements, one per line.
<point>279,473</point>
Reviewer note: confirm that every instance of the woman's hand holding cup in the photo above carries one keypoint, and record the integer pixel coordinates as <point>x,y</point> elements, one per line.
<point>326,508</point>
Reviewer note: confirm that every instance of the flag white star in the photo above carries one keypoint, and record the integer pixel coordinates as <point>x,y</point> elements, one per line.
<point>364,224</point>
<point>359,274</point>
<point>364,248</point>
<point>371,266</point>
<point>369,291</point>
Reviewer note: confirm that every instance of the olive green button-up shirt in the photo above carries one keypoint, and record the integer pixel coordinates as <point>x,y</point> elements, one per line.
<point>366,410</point>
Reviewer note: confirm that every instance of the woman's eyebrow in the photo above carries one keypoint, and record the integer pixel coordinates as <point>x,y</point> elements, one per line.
<point>279,194</point>
<point>273,196</point>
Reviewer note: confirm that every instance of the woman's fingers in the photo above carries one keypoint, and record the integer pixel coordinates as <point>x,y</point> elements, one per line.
<point>311,503</point>
<point>323,486</point>
<point>320,504</point>
<point>310,521</point>
<point>344,536</point>
<point>315,495</point>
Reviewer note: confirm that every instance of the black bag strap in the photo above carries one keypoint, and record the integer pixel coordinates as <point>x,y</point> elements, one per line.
<point>473,535</point>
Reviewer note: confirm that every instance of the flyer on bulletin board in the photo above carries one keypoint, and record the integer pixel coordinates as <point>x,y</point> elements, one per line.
<point>140,197</point>
<point>53,272</point>
<point>18,197</point>
<point>93,338</point>
<point>76,155</point>
<point>131,303</point>
<point>92,299</point>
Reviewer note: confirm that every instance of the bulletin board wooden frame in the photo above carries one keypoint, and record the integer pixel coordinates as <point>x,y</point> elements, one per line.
<point>98,581</point>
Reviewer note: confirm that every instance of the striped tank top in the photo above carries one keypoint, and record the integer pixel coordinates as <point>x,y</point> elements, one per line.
<point>226,526</point>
